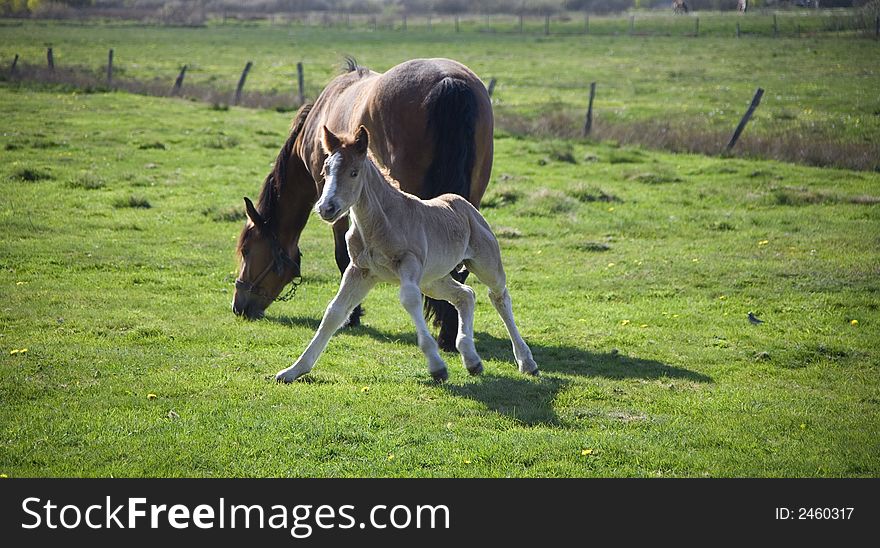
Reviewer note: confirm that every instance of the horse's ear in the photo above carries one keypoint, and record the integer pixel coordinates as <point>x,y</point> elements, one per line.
<point>330,142</point>
<point>252,213</point>
<point>362,140</point>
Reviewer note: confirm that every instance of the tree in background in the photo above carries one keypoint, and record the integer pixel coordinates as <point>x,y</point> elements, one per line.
<point>28,7</point>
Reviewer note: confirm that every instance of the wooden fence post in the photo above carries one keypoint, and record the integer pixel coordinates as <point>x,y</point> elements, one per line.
<point>877,28</point>
<point>50,59</point>
<point>178,83</point>
<point>547,24</point>
<point>14,63</point>
<point>632,24</point>
<point>301,85</point>
<point>586,23</point>
<point>456,24</point>
<point>520,23</point>
<point>737,30</point>
<point>696,26</point>
<point>775,27</point>
<point>110,67</point>
<point>238,90</point>
<point>404,21</point>
<point>429,21</point>
<point>756,100</point>
<point>588,124</point>
<point>491,88</point>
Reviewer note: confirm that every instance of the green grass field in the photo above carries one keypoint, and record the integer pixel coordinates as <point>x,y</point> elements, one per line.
<point>631,271</point>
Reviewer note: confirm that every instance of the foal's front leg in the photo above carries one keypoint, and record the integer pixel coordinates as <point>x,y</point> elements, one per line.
<point>356,283</point>
<point>340,227</point>
<point>410,272</point>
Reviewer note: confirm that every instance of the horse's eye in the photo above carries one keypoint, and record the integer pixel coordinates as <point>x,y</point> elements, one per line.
<point>354,173</point>
<point>244,253</point>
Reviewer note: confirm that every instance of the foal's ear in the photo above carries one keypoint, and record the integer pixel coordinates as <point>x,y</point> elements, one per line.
<point>330,142</point>
<point>362,140</point>
<point>252,213</point>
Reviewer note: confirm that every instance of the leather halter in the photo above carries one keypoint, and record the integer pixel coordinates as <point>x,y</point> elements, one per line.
<point>281,260</point>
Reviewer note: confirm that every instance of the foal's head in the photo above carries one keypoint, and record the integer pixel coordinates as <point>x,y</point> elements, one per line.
<point>343,173</point>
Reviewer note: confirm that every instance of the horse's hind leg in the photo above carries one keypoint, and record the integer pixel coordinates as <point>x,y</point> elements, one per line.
<point>355,286</point>
<point>410,272</point>
<point>446,319</point>
<point>462,297</point>
<point>488,269</point>
<point>340,227</point>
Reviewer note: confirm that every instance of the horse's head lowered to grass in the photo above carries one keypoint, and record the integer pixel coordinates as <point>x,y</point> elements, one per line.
<point>269,242</point>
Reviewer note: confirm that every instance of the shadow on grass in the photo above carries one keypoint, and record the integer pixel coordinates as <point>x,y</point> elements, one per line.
<point>569,360</point>
<point>527,400</point>
<point>577,361</point>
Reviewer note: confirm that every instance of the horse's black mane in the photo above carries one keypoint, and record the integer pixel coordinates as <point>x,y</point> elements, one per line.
<point>268,201</point>
<point>351,65</point>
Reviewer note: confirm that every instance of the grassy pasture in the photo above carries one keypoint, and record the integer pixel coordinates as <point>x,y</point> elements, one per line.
<point>819,88</point>
<point>631,272</point>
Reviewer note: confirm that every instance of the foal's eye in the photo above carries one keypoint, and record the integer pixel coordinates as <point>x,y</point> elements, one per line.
<point>354,173</point>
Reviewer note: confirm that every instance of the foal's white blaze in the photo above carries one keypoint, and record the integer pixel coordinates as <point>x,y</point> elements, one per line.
<point>331,167</point>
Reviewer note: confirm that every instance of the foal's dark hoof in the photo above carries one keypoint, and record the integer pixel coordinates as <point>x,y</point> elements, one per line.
<point>476,370</point>
<point>440,375</point>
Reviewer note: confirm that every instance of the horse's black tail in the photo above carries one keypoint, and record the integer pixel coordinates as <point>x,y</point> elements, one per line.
<point>452,115</point>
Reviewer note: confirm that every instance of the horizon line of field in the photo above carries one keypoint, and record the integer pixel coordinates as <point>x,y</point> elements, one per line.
<point>763,23</point>
<point>176,90</point>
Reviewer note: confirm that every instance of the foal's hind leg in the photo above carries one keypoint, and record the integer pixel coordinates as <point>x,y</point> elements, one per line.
<point>488,269</point>
<point>356,283</point>
<point>462,297</point>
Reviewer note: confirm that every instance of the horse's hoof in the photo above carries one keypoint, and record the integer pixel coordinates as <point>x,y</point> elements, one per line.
<point>355,319</point>
<point>476,370</point>
<point>440,375</point>
<point>446,344</point>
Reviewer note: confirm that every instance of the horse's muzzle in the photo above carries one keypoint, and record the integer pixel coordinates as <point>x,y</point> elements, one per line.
<point>243,304</point>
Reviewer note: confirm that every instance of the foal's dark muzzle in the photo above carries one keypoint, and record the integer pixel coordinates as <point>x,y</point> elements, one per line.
<point>328,210</point>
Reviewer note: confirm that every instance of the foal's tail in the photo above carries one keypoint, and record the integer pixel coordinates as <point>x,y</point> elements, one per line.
<point>452,114</point>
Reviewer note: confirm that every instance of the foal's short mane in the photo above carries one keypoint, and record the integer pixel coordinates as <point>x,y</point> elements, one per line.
<point>348,140</point>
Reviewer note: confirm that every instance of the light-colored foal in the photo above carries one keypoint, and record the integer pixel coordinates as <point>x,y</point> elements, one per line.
<point>396,237</point>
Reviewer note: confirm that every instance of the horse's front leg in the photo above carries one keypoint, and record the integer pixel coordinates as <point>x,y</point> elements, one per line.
<point>410,272</point>
<point>356,283</point>
<point>340,227</point>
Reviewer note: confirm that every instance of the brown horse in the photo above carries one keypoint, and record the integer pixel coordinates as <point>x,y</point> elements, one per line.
<point>432,127</point>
